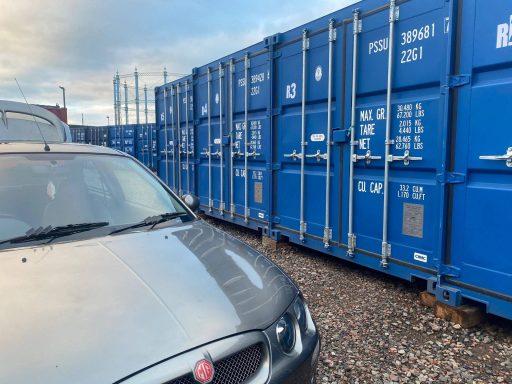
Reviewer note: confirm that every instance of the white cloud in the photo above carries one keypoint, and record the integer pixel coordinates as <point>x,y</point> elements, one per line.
<point>81,43</point>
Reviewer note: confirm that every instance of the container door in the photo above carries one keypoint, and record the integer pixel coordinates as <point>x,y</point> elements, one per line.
<point>165,107</point>
<point>210,93</point>
<point>154,146</point>
<point>482,208</point>
<point>185,137</point>
<point>307,192</point>
<point>250,139</point>
<point>393,208</point>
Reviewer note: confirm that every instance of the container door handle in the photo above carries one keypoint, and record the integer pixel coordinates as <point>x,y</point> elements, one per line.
<point>237,154</point>
<point>217,153</point>
<point>294,155</point>
<point>252,154</point>
<point>318,155</point>
<point>205,153</point>
<point>506,157</point>
<point>367,157</point>
<point>406,158</point>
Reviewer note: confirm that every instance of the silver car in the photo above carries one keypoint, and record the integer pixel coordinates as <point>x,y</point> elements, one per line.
<point>107,277</point>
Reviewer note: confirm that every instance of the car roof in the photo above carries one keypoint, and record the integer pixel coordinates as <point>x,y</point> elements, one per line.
<point>21,147</point>
<point>15,106</point>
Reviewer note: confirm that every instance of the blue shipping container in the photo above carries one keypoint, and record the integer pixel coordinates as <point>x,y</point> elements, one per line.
<point>176,135</point>
<point>377,134</point>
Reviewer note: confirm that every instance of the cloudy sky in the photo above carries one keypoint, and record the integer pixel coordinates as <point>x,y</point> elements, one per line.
<point>80,44</point>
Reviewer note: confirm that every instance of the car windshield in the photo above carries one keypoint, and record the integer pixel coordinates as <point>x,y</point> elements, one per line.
<point>55,190</point>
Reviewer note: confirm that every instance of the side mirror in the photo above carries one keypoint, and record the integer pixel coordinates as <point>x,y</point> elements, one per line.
<point>191,201</point>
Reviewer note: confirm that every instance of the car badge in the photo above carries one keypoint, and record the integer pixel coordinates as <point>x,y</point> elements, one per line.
<point>203,372</point>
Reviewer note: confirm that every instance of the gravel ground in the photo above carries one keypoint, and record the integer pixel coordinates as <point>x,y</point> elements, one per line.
<point>374,330</point>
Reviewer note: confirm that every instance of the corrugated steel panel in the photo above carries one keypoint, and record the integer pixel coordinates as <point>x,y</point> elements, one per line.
<point>176,133</point>
<point>377,134</point>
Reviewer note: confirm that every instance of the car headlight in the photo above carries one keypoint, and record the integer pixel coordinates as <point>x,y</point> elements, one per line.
<point>301,313</point>
<point>286,333</point>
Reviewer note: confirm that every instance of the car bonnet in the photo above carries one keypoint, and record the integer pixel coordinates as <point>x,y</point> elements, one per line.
<point>99,310</point>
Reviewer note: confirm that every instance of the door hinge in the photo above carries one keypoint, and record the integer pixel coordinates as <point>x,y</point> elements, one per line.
<point>276,219</point>
<point>448,271</point>
<point>276,111</point>
<point>458,81</point>
<point>451,178</point>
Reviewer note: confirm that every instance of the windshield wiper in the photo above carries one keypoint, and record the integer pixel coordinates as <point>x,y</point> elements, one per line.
<point>151,221</point>
<point>52,233</point>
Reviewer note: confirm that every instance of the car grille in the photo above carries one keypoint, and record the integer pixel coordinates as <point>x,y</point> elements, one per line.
<point>234,369</point>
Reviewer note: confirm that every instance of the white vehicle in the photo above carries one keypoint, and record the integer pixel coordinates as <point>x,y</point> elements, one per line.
<point>30,123</point>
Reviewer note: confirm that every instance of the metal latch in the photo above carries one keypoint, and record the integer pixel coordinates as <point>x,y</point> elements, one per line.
<point>506,157</point>
<point>406,158</point>
<point>252,154</point>
<point>294,155</point>
<point>367,157</point>
<point>318,155</point>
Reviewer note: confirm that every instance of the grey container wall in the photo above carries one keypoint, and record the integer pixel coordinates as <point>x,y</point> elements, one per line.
<point>377,134</point>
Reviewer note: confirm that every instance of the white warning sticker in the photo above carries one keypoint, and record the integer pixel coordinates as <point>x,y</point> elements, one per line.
<point>261,215</point>
<point>317,137</point>
<point>216,141</point>
<point>420,257</point>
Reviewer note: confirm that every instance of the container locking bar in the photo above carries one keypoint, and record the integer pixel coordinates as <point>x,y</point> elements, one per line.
<point>187,145</point>
<point>231,133</point>
<point>247,64</point>
<point>173,93</point>
<point>222,206</point>
<point>327,227</point>
<point>386,247</point>
<point>210,201</point>
<point>305,47</point>
<point>165,138</point>
<point>180,191</point>
<point>406,158</point>
<point>357,29</point>
<point>367,157</point>
<point>506,157</point>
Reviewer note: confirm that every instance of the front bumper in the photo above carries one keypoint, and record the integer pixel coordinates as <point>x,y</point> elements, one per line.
<point>274,365</point>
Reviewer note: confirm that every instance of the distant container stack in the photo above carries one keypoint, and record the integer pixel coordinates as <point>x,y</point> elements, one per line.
<point>139,141</point>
